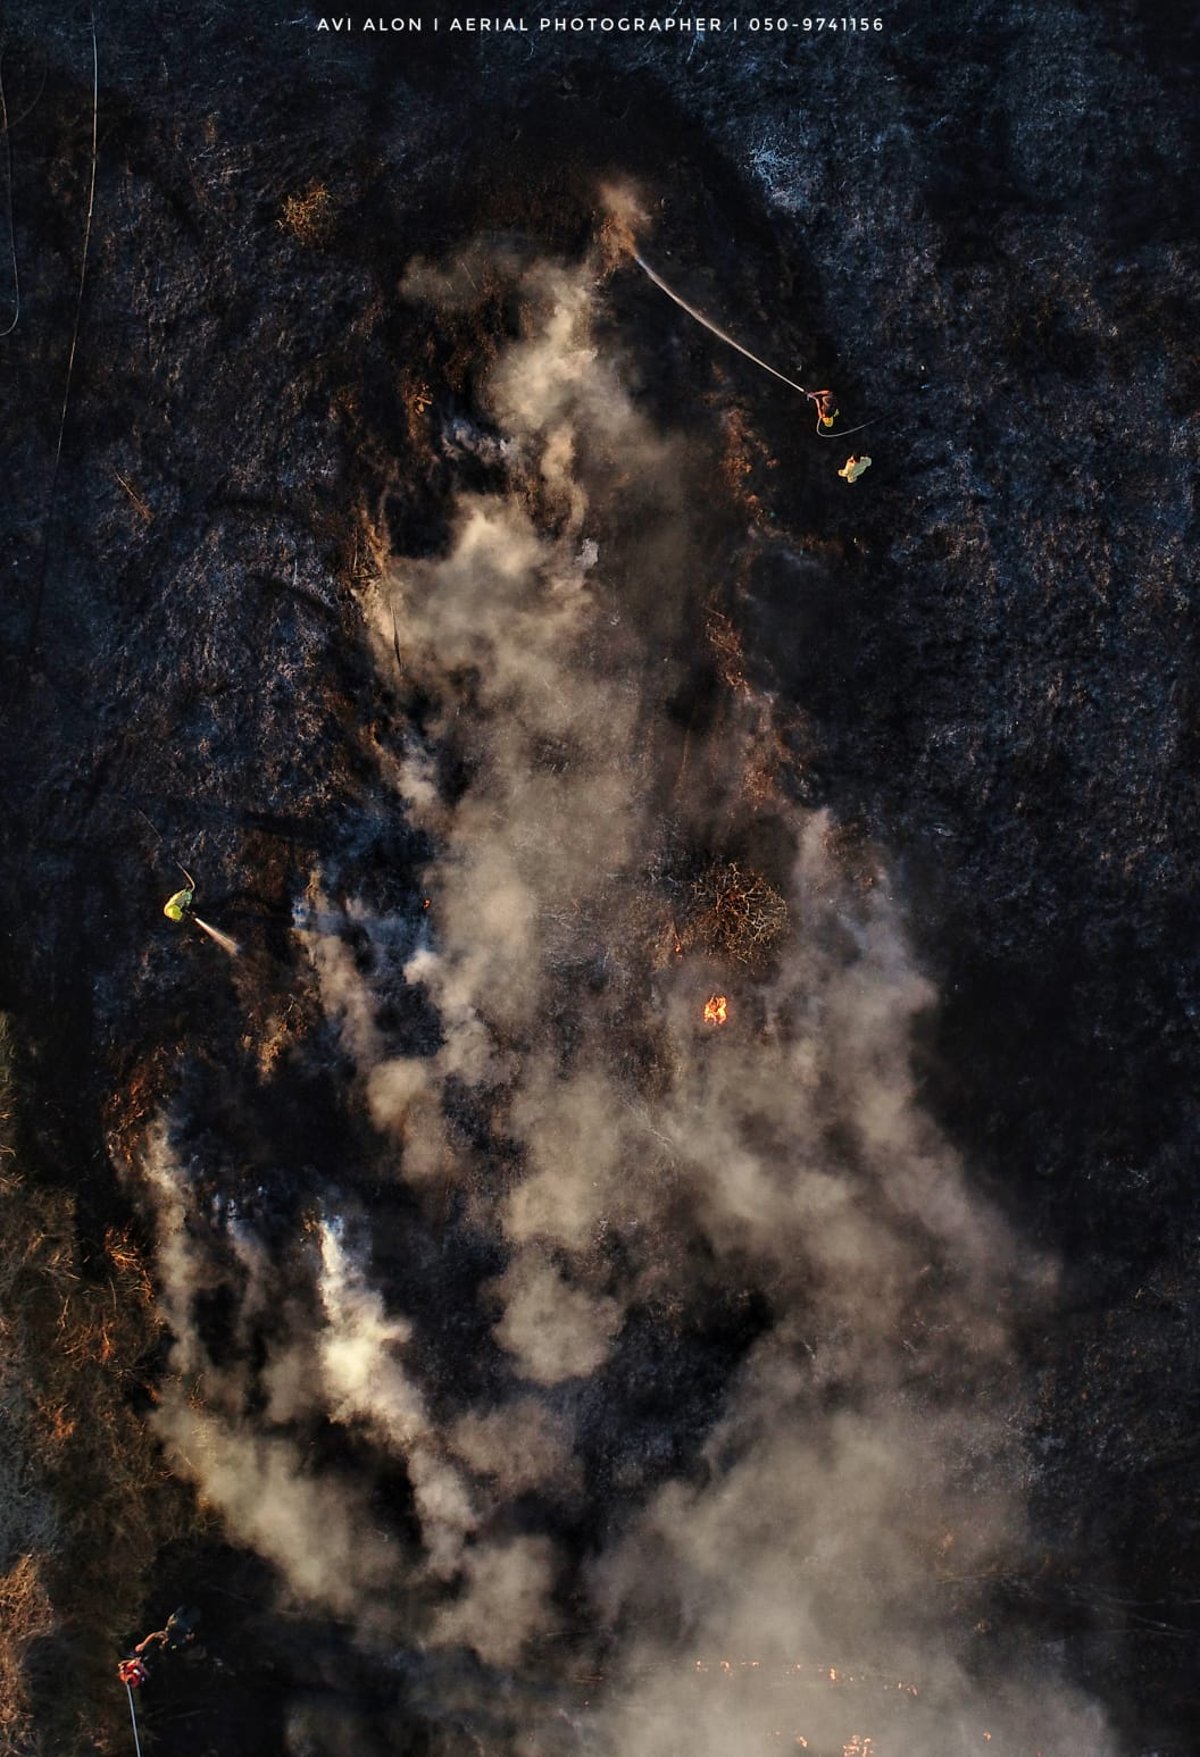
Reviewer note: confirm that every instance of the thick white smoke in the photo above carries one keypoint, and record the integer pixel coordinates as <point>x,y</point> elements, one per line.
<point>316,1527</point>
<point>861,1481</point>
<point>363,1377</point>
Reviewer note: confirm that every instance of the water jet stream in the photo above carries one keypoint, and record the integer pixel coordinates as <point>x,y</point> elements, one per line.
<point>222,939</point>
<point>721,334</point>
<point>821,399</point>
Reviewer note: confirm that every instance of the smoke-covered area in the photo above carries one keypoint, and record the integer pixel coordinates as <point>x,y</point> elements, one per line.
<point>678,1405</point>
<point>662,1179</point>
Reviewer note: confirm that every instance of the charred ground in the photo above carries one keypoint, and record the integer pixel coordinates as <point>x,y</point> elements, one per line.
<point>985,650</point>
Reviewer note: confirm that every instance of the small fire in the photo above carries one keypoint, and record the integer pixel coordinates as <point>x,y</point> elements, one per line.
<point>716,1009</point>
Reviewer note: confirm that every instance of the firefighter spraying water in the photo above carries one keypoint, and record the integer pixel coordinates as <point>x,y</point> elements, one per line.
<point>178,907</point>
<point>822,400</point>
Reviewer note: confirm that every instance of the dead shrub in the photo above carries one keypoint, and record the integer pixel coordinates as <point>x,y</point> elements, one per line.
<point>734,914</point>
<point>309,217</point>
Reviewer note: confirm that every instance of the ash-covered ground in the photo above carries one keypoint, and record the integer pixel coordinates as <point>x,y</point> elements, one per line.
<point>557,1371</point>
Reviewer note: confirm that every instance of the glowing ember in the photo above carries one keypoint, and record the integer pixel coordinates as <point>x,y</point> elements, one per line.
<point>716,1009</point>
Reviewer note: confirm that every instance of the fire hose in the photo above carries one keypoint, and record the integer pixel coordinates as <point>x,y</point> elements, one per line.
<point>821,398</point>
<point>137,1743</point>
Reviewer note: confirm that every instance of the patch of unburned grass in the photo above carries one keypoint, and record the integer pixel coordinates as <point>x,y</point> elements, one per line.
<point>86,1500</point>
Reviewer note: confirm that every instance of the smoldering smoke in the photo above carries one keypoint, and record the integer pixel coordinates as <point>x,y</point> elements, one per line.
<point>625,1166</point>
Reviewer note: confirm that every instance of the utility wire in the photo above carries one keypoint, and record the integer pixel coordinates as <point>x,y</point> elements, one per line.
<point>12,228</point>
<point>62,423</point>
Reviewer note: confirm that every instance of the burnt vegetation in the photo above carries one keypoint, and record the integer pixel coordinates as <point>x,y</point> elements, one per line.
<point>980,659</point>
<point>87,1504</point>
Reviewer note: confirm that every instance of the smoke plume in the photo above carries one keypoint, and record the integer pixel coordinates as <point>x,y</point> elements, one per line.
<point>694,1343</point>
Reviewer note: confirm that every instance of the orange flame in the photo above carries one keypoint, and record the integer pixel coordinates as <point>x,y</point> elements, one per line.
<point>716,1010</point>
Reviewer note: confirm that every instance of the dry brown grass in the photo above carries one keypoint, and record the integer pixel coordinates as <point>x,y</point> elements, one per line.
<point>418,400</point>
<point>135,499</point>
<point>726,642</point>
<point>745,460</point>
<point>309,217</point>
<point>25,1614</point>
<point>84,1500</point>
<point>734,914</point>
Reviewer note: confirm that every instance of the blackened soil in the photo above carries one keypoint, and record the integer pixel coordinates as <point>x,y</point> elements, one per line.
<point>980,230</point>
